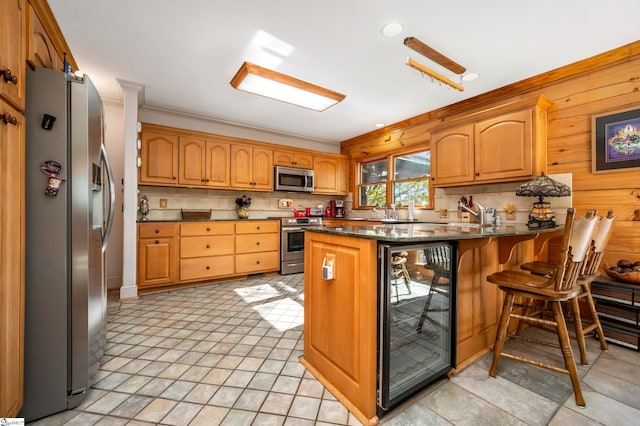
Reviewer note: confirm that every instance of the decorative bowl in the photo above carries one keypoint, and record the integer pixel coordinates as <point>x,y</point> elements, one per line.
<point>629,277</point>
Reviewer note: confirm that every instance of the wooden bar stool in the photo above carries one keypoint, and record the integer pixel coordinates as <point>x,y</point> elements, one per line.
<point>438,260</point>
<point>552,291</point>
<point>601,235</point>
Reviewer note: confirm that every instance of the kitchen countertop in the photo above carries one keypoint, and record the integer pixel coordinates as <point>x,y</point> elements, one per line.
<point>424,232</point>
<point>201,220</point>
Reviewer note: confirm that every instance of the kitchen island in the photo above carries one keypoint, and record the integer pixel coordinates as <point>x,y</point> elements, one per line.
<point>342,313</point>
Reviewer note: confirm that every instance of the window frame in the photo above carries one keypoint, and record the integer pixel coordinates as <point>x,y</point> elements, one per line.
<point>389,182</point>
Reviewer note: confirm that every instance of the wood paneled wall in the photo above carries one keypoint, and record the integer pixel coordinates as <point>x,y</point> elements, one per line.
<point>604,83</point>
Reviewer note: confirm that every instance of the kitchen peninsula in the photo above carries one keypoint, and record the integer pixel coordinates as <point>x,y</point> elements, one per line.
<point>344,314</point>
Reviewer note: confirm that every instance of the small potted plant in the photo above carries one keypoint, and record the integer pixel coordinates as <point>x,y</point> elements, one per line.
<point>242,207</point>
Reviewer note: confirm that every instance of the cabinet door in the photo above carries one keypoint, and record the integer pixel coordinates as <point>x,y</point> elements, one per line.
<point>292,159</point>
<point>262,169</point>
<point>241,166</point>
<point>192,162</point>
<point>452,155</point>
<point>503,147</point>
<point>40,49</point>
<point>326,172</point>
<point>12,152</point>
<point>12,51</point>
<point>159,155</point>
<point>218,164</point>
<point>156,261</point>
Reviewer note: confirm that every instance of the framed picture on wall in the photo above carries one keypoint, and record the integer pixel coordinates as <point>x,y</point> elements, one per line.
<point>615,138</point>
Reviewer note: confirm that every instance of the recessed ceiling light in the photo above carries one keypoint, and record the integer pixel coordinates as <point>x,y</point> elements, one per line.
<point>392,29</point>
<point>470,76</point>
<point>379,125</point>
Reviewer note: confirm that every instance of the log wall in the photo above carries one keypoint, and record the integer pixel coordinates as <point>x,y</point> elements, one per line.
<point>605,83</point>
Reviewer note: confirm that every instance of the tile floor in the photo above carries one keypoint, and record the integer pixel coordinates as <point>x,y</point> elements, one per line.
<point>228,354</point>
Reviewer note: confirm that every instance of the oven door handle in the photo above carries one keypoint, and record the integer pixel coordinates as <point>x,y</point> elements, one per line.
<point>291,229</point>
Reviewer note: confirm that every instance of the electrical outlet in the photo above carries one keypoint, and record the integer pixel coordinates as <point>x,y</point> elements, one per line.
<point>163,203</point>
<point>285,203</point>
<point>444,213</point>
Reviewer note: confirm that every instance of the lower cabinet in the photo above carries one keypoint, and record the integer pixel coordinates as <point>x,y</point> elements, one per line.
<point>177,253</point>
<point>206,250</point>
<point>257,246</point>
<point>157,255</point>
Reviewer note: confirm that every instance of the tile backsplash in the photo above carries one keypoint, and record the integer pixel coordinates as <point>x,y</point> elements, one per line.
<point>265,204</point>
<point>489,195</point>
<point>222,202</point>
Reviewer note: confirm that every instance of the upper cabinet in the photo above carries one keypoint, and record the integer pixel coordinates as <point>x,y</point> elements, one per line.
<point>251,168</point>
<point>41,51</point>
<point>330,174</point>
<point>12,51</point>
<point>504,144</point>
<point>186,158</point>
<point>292,159</point>
<point>203,163</point>
<point>159,159</point>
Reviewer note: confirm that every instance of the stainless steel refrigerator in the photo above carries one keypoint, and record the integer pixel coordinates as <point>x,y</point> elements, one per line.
<point>69,211</point>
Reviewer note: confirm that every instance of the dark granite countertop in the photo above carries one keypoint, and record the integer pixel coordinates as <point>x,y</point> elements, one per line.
<point>424,232</point>
<point>199,220</point>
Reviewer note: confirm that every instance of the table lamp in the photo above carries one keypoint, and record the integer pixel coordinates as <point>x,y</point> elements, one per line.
<point>541,216</point>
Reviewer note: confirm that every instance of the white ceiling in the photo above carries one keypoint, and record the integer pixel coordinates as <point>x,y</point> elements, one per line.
<point>186,52</point>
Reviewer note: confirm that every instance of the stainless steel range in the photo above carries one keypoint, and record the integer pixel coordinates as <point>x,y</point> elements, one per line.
<point>292,242</point>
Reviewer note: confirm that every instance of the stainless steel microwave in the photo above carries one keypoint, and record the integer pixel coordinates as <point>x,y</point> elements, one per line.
<point>293,180</point>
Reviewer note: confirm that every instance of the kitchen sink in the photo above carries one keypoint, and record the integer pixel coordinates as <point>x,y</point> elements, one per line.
<point>469,225</point>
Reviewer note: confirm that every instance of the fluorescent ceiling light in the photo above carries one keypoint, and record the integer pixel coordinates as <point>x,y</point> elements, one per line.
<point>272,84</point>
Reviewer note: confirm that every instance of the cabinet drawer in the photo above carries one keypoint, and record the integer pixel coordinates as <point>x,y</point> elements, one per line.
<point>206,267</point>
<point>252,243</point>
<point>206,246</point>
<point>206,228</point>
<point>257,262</point>
<point>153,230</point>
<point>257,227</point>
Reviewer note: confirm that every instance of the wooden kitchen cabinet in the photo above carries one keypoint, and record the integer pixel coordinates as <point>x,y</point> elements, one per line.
<point>501,145</point>
<point>292,159</point>
<point>157,254</point>
<point>203,163</point>
<point>41,51</point>
<point>330,174</point>
<point>251,168</point>
<point>257,246</point>
<point>12,52</point>
<point>206,250</point>
<point>12,262</point>
<point>159,159</point>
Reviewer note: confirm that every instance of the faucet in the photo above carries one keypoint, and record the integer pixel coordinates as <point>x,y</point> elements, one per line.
<point>480,214</point>
<point>384,215</point>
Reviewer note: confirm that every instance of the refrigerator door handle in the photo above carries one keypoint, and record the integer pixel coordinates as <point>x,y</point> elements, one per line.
<point>112,197</point>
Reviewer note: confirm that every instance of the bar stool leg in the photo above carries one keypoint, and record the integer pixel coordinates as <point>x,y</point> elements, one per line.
<point>575,311</point>
<point>586,287</point>
<point>501,334</point>
<point>565,345</point>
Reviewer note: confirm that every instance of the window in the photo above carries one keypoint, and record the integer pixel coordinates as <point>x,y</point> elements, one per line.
<point>396,179</point>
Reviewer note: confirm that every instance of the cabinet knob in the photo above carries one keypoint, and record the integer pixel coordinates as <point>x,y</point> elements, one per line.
<point>257,243</point>
<point>8,76</point>
<point>258,228</point>
<point>207,267</point>
<point>208,246</point>
<point>208,229</point>
<point>157,231</point>
<point>157,241</point>
<point>477,174</point>
<point>257,262</point>
<point>9,119</point>
<point>174,178</point>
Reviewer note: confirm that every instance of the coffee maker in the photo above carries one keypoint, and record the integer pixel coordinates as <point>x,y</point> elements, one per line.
<point>335,209</point>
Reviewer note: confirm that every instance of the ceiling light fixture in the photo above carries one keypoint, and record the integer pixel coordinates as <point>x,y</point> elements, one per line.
<point>272,84</point>
<point>392,29</point>
<point>434,75</point>
<point>470,76</point>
